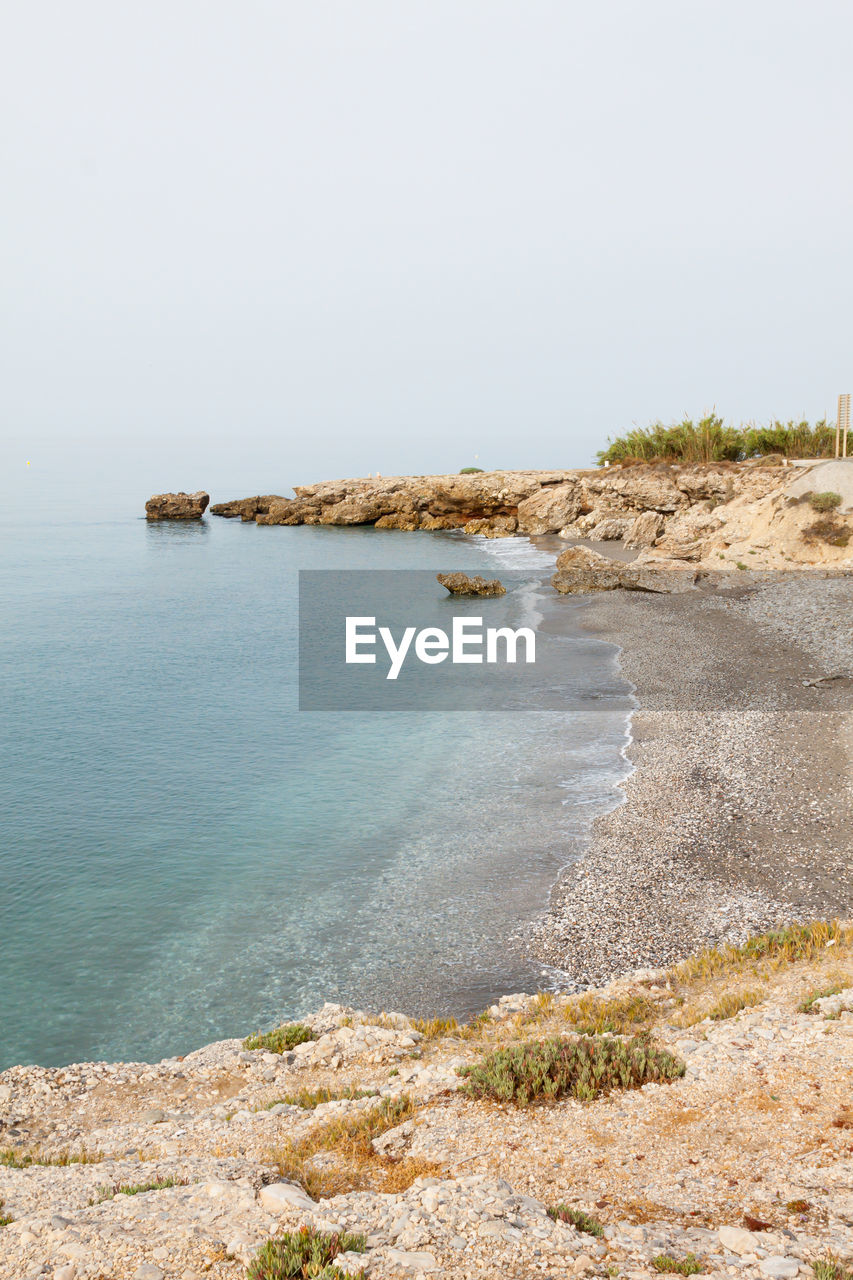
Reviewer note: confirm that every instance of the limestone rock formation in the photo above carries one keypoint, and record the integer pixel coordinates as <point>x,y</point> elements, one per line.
<point>645,530</point>
<point>611,527</point>
<point>551,508</point>
<point>459,584</point>
<point>580,569</point>
<point>176,506</point>
<point>245,508</point>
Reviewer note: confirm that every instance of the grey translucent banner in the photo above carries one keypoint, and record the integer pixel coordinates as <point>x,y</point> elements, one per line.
<point>396,640</point>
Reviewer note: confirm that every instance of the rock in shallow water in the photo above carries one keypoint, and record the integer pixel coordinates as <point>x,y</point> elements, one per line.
<point>459,584</point>
<point>176,506</point>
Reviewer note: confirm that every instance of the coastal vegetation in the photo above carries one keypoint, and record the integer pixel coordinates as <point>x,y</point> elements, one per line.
<point>712,440</point>
<point>309,1099</point>
<point>826,501</point>
<point>577,1217</point>
<point>688,1266</point>
<point>282,1039</point>
<point>296,1255</point>
<point>138,1188</point>
<point>585,1067</point>
<point>339,1156</point>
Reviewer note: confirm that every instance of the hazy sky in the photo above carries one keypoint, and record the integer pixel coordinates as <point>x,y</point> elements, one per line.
<point>339,236</point>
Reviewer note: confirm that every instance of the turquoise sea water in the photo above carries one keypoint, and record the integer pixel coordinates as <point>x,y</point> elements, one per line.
<point>185,856</point>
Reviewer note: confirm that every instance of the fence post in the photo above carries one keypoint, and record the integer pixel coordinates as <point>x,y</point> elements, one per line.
<point>842,426</point>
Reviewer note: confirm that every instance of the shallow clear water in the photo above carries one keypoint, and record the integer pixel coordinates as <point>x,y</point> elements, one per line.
<point>186,856</point>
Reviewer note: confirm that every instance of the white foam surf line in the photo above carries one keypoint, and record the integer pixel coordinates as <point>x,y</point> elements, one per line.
<point>520,554</point>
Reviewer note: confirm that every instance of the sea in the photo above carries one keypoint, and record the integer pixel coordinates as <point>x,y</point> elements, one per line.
<point>185,855</point>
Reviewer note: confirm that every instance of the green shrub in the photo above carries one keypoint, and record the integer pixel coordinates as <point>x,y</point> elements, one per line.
<point>577,1217</point>
<point>471,471</point>
<point>689,1266</point>
<point>710,440</point>
<point>583,1067</point>
<point>282,1039</point>
<point>826,501</point>
<point>4,1218</point>
<point>296,1255</point>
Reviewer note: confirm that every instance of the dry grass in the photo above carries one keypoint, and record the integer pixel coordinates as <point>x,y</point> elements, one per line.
<point>311,1098</point>
<point>338,1157</point>
<point>12,1159</point>
<point>770,951</point>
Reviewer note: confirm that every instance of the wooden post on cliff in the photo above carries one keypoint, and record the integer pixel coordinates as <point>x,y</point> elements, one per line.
<point>842,426</point>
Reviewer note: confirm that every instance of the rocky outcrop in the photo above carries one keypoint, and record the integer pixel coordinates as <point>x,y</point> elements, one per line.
<point>551,508</point>
<point>645,530</point>
<point>176,506</point>
<point>611,528</point>
<point>712,516</point>
<point>459,584</point>
<point>579,569</point>
<point>245,508</point>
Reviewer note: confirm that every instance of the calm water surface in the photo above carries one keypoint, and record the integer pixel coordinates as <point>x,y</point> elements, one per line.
<point>186,856</point>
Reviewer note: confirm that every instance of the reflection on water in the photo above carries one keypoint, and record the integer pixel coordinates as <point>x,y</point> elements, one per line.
<point>177,530</point>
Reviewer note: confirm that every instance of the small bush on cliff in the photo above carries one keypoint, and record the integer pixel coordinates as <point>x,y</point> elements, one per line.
<point>826,501</point>
<point>471,471</point>
<point>282,1039</point>
<point>828,529</point>
<point>583,1067</point>
<point>296,1255</point>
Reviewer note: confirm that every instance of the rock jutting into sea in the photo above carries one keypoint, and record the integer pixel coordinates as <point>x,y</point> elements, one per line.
<point>707,515</point>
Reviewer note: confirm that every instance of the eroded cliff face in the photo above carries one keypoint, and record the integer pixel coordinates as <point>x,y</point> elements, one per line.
<point>709,515</point>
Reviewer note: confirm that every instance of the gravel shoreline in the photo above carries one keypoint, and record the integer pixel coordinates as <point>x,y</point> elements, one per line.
<point>739,812</point>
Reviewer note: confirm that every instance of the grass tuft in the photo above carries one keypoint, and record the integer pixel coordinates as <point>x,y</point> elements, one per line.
<point>780,946</point>
<point>338,1157</point>
<point>435,1028</point>
<point>830,1269</point>
<point>282,1039</point>
<point>731,1002</point>
<point>808,1004</point>
<point>311,1098</point>
<point>4,1217</point>
<point>137,1188</point>
<point>577,1217</point>
<point>12,1159</point>
<point>689,1266</point>
<point>583,1067</point>
<point>295,1255</point>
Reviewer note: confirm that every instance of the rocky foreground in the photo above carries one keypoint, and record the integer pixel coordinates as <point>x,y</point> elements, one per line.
<point>182,1169</point>
<point>712,515</point>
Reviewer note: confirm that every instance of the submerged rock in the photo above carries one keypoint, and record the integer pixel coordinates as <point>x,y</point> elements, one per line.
<point>176,506</point>
<point>459,584</point>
